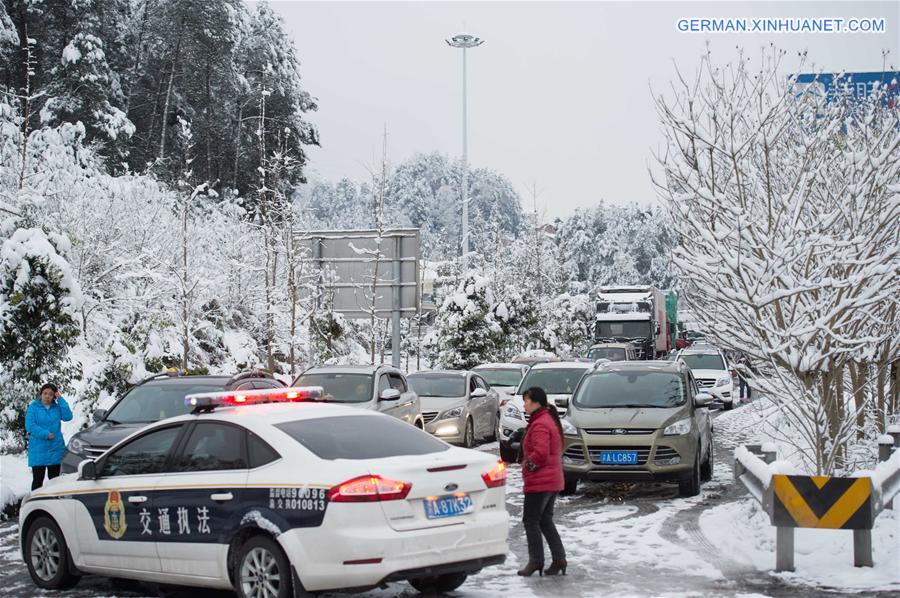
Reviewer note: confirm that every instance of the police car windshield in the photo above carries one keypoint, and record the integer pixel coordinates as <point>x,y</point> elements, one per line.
<point>438,385</point>
<point>155,401</point>
<point>554,381</point>
<point>501,377</point>
<point>340,438</point>
<point>340,387</point>
<point>631,389</point>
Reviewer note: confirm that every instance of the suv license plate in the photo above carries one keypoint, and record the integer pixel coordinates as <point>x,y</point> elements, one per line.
<point>618,458</point>
<point>447,506</point>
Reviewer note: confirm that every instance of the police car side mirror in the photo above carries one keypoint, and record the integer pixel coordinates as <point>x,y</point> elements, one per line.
<point>478,393</point>
<point>389,394</point>
<point>87,470</point>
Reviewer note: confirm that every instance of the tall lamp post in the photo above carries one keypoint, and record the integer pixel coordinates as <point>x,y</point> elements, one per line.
<point>465,41</point>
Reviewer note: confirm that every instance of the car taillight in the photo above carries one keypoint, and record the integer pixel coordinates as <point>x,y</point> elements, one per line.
<point>496,477</point>
<point>369,488</point>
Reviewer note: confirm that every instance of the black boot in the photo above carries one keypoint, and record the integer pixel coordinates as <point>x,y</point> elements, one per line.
<point>530,568</point>
<point>557,568</point>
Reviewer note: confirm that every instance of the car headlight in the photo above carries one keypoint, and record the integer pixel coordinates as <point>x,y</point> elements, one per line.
<point>568,428</point>
<point>77,446</point>
<point>513,412</point>
<point>723,382</point>
<point>679,428</point>
<point>451,413</point>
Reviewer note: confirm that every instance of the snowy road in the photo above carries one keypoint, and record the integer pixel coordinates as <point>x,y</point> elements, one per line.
<point>622,539</point>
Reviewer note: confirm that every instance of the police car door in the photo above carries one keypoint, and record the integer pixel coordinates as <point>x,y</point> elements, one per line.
<point>115,518</point>
<point>199,503</point>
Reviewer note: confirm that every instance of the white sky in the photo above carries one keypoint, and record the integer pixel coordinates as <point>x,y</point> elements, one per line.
<point>558,94</point>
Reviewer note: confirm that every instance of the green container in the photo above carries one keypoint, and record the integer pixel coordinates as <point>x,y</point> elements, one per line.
<point>671,317</point>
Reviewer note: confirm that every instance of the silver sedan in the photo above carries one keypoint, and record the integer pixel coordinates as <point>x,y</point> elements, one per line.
<point>457,406</point>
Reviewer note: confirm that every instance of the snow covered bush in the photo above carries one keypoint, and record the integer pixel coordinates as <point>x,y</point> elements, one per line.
<point>466,332</point>
<point>787,208</point>
<point>39,299</point>
<point>568,326</point>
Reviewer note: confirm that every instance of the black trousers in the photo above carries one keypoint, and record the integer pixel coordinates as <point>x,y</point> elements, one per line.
<point>37,474</point>
<point>743,386</point>
<point>537,517</point>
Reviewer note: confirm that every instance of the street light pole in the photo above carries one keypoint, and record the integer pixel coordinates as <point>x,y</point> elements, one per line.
<point>465,41</point>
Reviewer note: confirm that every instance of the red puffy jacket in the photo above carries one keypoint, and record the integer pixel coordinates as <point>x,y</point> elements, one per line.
<point>542,446</point>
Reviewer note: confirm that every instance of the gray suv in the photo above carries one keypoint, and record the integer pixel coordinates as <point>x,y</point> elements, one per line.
<point>151,400</point>
<point>639,421</point>
<point>375,387</point>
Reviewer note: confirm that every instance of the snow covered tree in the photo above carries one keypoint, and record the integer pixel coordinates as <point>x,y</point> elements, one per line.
<point>465,331</point>
<point>787,211</point>
<point>39,300</point>
<point>568,325</point>
<point>84,90</point>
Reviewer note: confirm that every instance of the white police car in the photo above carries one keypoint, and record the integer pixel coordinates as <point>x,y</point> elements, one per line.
<point>273,500</point>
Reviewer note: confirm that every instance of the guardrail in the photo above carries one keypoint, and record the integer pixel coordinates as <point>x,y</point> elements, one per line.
<point>823,502</point>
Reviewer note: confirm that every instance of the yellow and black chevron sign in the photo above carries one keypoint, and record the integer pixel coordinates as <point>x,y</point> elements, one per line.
<point>823,502</point>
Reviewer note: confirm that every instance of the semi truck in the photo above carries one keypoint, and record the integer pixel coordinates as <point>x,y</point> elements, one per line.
<point>634,315</point>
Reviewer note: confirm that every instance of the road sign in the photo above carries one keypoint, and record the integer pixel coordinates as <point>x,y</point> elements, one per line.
<point>822,502</point>
<point>352,257</point>
<point>856,85</point>
<point>362,270</point>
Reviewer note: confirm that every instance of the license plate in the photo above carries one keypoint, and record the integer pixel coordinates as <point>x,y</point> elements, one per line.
<point>447,506</point>
<point>618,458</point>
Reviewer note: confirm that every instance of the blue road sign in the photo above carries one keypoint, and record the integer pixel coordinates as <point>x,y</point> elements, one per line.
<point>852,85</point>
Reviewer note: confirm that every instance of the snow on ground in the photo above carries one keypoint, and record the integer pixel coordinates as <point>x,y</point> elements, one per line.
<point>15,479</point>
<point>823,558</point>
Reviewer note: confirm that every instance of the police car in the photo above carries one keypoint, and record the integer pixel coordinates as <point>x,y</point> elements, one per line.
<point>255,492</point>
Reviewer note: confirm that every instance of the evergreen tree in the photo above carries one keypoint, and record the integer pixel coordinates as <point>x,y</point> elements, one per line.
<point>84,90</point>
<point>465,331</point>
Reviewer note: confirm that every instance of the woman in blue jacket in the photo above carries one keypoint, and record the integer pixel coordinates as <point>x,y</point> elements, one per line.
<point>43,422</point>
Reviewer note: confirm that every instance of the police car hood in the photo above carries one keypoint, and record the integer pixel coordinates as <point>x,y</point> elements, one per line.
<point>105,434</point>
<point>625,417</point>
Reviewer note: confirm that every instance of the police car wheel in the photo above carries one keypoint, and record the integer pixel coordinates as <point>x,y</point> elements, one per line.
<point>262,570</point>
<point>47,556</point>
<point>441,583</point>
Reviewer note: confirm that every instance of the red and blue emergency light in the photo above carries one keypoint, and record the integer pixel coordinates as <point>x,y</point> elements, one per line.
<point>207,401</point>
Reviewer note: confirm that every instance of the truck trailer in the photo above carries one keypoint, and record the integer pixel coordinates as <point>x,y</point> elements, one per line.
<point>636,315</point>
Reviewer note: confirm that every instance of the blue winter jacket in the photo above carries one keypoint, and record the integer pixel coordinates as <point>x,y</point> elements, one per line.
<point>39,422</point>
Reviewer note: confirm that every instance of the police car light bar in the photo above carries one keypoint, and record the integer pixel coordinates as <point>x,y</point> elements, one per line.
<point>207,401</point>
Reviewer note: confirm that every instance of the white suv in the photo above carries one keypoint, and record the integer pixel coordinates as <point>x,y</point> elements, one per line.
<point>558,380</point>
<point>710,369</point>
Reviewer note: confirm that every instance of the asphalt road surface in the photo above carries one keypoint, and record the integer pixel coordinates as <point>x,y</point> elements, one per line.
<point>622,539</point>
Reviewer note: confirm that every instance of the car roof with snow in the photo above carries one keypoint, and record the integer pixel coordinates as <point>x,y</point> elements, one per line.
<point>439,373</point>
<point>562,365</point>
<point>700,350</point>
<point>349,369</point>
<point>656,365</point>
<point>612,346</point>
<point>499,366</point>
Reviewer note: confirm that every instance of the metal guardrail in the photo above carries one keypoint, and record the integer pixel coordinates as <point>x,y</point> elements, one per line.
<point>866,497</point>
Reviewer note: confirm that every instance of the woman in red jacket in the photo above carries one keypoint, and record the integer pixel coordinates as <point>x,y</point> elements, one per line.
<point>543,476</point>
